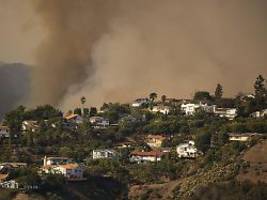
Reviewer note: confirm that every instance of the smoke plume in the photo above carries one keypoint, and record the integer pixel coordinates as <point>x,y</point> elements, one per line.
<point>14,85</point>
<point>117,50</point>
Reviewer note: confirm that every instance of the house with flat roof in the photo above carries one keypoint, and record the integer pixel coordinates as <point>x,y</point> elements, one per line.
<point>242,137</point>
<point>144,156</point>
<point>103,154</point>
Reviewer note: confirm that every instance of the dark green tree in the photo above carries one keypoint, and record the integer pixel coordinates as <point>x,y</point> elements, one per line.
<point>78,111</point>
<point>83,100</point>
<point>93,111</point>
<point>202,96</point>
<point>259,86</point>
<point>153,96</point>
<point>218,91</point>
<point>260,93</point>
<point>203,140</point>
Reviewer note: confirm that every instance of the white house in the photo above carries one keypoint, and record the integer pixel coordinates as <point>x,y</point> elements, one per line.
<point>71,171</point>
<point>62,165</point>
<point>162,109</point>
<point>103,154</point>
<point>187,150</point>
<point>99,122</point>
<point>4,132</point>
<point>191,108</point>
<point>242,137</point>
<point>11,184</point>
<point>259,114</point>
<point>142,156</point>
<point>229,113</point>
<point>140,102</point>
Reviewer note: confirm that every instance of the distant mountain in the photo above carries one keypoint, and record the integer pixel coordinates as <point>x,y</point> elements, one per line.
<point>14,85</point>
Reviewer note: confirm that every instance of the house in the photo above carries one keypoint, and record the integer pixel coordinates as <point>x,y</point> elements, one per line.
<point>70,125</point>
<point>75,118</point>
<point>155,141</point>
<point>12,165</point>
<point>142,156</point>
<point>11,184</point>
<point>8,167</point>
<point>30,125</point>
<point>229,113</point>
<point>140,102</point>
<point>63,165</point>
<point>99,122</point>
<point>128,119</point>
<point>187,150</point>
<point>190,108</point>
<point>4,131</point>
<point>125,144</point>
<point>103,154</point>
<point>242,137</point>
<point>162,109</point>
<point>51,161</point>
<point>259,114</point>
<point>71,171</point>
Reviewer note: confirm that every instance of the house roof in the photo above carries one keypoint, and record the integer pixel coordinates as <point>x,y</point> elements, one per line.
<point>104,150</point>
<point>71,116</point>
<point>3,177</point>
<point>244,134</point>
<point>4,127</point>
<point>149,153</point>
<point>14,164</point>
<point>56,158</point>
<point>157,137</point>
<point>161,107</point>
<point>69,166</point>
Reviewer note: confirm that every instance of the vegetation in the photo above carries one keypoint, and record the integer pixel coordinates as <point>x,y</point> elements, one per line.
<point>111,178</point>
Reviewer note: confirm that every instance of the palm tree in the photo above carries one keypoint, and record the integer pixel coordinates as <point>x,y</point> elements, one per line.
<point>83,100</point>
<point>153,96</point>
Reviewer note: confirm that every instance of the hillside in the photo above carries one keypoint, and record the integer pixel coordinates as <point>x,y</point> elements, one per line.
<point>256,168</point>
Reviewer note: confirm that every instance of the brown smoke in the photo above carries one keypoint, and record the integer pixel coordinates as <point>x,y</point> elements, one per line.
<point>116,50</point>
<point>63,57</point>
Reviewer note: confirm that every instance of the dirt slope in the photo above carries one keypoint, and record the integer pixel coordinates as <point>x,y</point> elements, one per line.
<point>256,169</point>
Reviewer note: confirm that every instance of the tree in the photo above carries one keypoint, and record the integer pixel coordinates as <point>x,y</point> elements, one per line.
<point>259,86</point>
<point>93,111</point>
<point>14,119</point>
<point>202,96</point>
<point>78,111</point>
<point>203,141</point>
<point>219,91</point>
<point>163,98</point>
<point>260,93</point>
<point>44,112</point>
<point>83,100</point>
<point>153,96</point>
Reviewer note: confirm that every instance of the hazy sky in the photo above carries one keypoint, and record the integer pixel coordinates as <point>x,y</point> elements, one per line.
<point>20,33</point>
<point>117,50</point>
